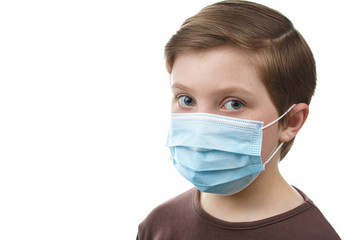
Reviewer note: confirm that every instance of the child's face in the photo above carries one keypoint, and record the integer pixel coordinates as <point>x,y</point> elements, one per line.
<point>223,81</point>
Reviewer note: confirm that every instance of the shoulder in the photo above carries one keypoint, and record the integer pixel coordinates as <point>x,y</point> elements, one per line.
<point>179,203</point>
<point>309,221</point>
<point>167,214</point>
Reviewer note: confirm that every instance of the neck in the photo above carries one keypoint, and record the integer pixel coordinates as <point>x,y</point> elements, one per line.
<point>267,196</point>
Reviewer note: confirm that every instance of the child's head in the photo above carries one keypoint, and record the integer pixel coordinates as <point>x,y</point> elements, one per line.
<point>282,58</point>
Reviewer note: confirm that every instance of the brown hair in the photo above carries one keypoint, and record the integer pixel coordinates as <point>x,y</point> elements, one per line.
<point>282,57</point>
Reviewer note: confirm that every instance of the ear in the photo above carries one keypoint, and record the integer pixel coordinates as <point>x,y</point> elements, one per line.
<point>296,119</point>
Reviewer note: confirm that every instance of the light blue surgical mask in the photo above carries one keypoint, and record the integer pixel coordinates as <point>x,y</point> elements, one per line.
<point>217,154</point>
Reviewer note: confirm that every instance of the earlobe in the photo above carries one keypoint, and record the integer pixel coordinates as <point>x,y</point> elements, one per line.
<point>296,119</point>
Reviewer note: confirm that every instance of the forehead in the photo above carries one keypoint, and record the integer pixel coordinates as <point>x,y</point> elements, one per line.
<point>216,68</point>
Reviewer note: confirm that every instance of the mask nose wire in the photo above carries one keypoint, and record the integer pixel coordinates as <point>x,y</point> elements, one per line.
<point>268,125</point>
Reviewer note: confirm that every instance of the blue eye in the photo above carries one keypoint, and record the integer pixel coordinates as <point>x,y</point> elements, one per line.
<point>186,101</point>
<point>233,105</point>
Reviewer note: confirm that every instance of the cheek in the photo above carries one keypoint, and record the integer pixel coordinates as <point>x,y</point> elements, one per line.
<point>270,142</point>
<point>174,106</point>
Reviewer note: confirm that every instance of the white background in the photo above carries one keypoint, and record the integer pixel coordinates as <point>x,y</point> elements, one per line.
<point>84,110</point>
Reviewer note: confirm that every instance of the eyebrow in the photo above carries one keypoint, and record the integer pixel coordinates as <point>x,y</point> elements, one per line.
<point>180,86</point>
<point>228,90</point>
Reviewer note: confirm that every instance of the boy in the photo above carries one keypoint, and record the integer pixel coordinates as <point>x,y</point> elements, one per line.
<point>242,79</point>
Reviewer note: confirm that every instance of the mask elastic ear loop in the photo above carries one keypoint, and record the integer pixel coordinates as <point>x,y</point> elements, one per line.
<point>268,125</point>
<point>272,155</point>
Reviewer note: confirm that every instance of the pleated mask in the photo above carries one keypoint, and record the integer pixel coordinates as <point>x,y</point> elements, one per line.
<point>217,154</point>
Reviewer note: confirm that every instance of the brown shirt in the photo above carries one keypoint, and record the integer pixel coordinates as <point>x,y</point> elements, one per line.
<point>183,218</point>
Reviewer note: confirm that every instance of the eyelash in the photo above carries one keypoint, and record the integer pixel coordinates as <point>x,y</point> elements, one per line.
<point>234,100</point>
<point>181,101</point>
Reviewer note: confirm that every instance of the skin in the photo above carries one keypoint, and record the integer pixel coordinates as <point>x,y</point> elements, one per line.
<point>223,81</point>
